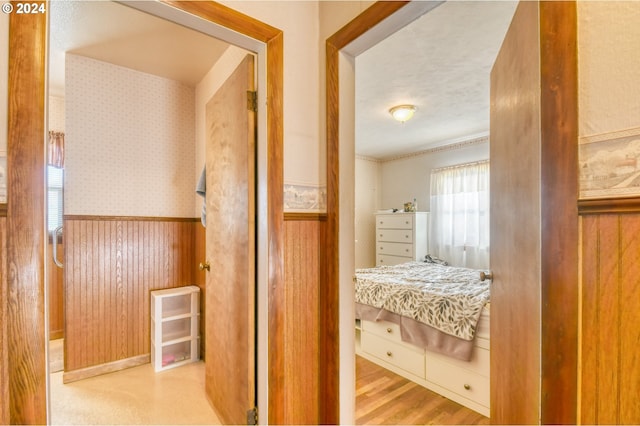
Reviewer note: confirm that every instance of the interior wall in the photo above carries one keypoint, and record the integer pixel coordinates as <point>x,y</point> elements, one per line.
<point>609,87</point>
<point>299,22</point>
<point>333,16</point>
<point>336,14</point>
<point>306,25</point>
<point>205,89</point>
<point>55,114</point>
<point>129,197</point>
<point>55,275</point>
<point>367,202</point>
<point>111,265</point>
<point>129,143</point>
<point>388,184</point>
<point>409,177</point>
<point>303,358</point>
<point>610,366</point>
<point>609,67</point>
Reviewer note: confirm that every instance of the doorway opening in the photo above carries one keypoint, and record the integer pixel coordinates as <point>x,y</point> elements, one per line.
<point>551,310</point>
<point>348,64</point>
<point>235,45</point>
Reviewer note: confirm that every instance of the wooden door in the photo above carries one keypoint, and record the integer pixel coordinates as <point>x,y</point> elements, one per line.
<point>231,248</point>
<point>23,395</point>
<point>534,225</point>
<point>515,223</point>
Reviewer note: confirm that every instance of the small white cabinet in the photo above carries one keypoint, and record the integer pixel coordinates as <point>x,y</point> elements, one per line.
<point>175,318</point>
<point>401,237</point>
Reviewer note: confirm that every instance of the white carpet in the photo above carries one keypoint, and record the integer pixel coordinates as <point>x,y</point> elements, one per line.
<point>56,355</point>
<point>134,396</point>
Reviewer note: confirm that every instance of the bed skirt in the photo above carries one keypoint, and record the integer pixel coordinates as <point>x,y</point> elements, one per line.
<point>419,334</point>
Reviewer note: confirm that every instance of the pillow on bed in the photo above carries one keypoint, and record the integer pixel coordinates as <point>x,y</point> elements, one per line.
<point>430,259</point>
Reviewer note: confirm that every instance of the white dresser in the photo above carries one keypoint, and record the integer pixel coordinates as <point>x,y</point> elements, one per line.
<point>401,237</point>
<point>467,383</point>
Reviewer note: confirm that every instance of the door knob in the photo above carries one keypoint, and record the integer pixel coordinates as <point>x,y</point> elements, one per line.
<point>204,265</point>
<point>486,276</point>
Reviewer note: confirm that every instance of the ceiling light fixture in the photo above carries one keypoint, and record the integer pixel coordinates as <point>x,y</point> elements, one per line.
<point>402,113</point>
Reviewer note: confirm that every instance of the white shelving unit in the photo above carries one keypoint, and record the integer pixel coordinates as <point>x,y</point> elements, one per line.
<point>175,315</point>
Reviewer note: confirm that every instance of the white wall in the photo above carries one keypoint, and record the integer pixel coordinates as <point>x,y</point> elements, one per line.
<point>204,91</point>
<point>299,22</point>
<point>408,177</point>
<point>333,16</point>
<point>608,66</point>
<point>55,114</point>
<point>609,93</point>
<point>306,25</point>
<point>129,143</point>
<point>389,184</point>
<point>367,202</point>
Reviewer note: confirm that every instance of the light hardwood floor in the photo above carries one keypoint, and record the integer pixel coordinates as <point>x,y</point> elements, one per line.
<point>383,397</point>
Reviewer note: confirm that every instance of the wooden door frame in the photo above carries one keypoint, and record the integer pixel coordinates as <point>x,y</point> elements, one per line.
<point>25,208</point>
<point>559,124</point>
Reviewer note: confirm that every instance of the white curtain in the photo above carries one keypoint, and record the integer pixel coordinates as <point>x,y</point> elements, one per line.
<point>459,231</point>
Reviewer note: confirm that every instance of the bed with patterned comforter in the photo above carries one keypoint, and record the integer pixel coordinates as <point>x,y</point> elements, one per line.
<point>436,306</point>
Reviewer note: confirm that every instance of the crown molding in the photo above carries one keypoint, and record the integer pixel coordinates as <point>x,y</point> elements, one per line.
<point>443,148</point>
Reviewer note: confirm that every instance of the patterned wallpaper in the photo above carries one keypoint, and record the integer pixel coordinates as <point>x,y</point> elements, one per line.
<point>130,142</point>
<point>55,114</point>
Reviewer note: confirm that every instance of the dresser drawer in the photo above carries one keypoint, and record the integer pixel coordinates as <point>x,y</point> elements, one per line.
<point>395,249</point>
<point>384,329</point>
<point>382,259</point>
<point>479,363</point>
<point>395,235</point>
<point>407,358</point>
<point>465,383</point>
<point>394,221</point>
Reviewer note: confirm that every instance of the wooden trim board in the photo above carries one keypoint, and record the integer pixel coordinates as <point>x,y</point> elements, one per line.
<point>109,367</point>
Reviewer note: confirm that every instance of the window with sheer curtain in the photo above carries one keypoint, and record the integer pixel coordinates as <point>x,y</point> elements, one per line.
<point>459,231</point>
<point>55,173</point>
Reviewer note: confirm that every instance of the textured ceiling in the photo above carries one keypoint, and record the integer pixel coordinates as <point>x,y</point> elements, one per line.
<point>441,63</point>
<point>120,35</point>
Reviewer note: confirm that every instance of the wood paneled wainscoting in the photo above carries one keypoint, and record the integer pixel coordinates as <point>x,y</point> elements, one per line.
<point>55,284</point>
<point>111,265</point>
<point>610,325</point>
<point>302,238</point>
